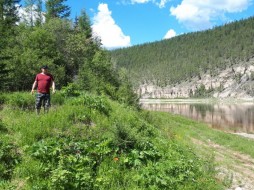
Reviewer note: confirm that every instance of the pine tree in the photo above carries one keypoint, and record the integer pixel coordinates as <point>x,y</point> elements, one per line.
<point>3,73</point>
<point>8,22</point>
<point>57,9</point>
<point>8,15</point>
<point>84,24</point>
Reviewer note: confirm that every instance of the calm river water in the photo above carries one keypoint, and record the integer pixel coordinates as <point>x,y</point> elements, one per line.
<point>234,117</point>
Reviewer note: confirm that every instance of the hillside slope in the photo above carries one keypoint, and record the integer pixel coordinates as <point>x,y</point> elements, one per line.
<point>235,82</point>
<point>90,142</point>
<point>180,66</point>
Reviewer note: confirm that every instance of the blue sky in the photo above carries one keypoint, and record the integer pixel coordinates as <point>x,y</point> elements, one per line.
<point>123,23</point>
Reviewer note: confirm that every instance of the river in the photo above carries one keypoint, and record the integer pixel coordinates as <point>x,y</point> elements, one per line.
<point>233,117</point>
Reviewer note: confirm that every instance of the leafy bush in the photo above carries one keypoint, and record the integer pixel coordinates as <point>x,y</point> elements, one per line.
<point>57,99</point>
<point>2,98</point>
<point>21,100</point>
<point>93,103</point>
<point>9,158</point>
<point>98,103</point>
<point>70,163</point>
<point>3,128</point>
<point>202,92</point>
<point>125,94</point>
<point>71,90</point>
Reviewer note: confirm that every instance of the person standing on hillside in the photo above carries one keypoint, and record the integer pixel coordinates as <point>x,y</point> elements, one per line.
<point>43,82</point>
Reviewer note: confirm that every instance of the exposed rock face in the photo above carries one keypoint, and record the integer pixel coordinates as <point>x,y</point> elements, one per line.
<point>236,82</point>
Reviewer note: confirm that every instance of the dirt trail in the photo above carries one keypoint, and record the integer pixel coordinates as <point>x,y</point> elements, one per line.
<point>234,168</point>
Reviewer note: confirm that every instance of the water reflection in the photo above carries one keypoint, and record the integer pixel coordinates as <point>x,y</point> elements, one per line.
<point>228,117</point>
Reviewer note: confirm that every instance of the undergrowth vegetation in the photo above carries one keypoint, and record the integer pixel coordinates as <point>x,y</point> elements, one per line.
<point>91,142</point>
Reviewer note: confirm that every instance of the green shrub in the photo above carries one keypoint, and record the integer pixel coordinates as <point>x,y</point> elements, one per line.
<point>21,100</point>
<point>202,92</point>
<point>9,158</point>
<point>3,98</point>
<point>92,103</point>
<point>125,94</point>
<point>70,163</point>
<point>57,99</point>
<point>98,103</point>
<point>3,128</point>
<point>71,90</point>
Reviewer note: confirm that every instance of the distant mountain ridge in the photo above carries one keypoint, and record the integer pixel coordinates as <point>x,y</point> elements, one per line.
<point>158,69</point>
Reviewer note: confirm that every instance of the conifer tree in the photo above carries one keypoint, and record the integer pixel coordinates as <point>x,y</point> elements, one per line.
<point>3,74</point>
<point>84,24</point>
<point>8,21</point>
<point>8,15</point>
<point>57,9</point>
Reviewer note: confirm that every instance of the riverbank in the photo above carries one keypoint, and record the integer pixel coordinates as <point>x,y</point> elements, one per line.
<point>229,115</point>
<point>233,154</point>
<point>200,100</point>
<point>246,135</point>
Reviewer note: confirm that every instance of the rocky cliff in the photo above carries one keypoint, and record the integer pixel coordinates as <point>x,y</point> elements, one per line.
<point>236,81</point>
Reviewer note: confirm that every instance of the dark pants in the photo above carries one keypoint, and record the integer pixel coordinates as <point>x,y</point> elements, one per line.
<point>42,100</point>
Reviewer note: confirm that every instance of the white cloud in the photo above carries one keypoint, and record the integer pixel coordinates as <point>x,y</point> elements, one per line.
<point>110,33</point>
<point>199,14</point>
<point>159,3</point>
<point>162,3</point>
<point>139,1</point>
<point>170,34</point>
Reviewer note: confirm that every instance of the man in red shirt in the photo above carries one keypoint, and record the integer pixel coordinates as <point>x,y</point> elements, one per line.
<point>43,82</point>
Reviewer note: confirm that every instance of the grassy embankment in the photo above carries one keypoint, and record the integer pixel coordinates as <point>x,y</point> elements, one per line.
<point>186,129</point>
<point>92,142</point>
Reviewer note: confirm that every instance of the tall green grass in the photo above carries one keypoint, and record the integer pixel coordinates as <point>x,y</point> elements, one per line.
<point>92,142</point>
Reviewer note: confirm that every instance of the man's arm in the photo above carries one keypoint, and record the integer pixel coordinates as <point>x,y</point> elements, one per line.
<point>53,87</point>
<point>33,87</point>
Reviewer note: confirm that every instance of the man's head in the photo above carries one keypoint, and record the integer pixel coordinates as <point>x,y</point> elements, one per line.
<point>44,68</point>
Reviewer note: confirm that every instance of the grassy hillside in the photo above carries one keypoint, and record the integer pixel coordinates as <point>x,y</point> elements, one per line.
<point>183,57</point>
<point>92,142</point>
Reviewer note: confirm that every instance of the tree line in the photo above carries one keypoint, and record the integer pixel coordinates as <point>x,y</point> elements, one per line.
<point>50,37</point>
<point>170,61</point>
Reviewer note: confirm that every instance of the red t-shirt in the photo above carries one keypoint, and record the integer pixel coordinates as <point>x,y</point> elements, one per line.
<point>43,82</point>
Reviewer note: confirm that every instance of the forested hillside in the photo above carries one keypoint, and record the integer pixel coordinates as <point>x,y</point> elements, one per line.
<point>181,58</point>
